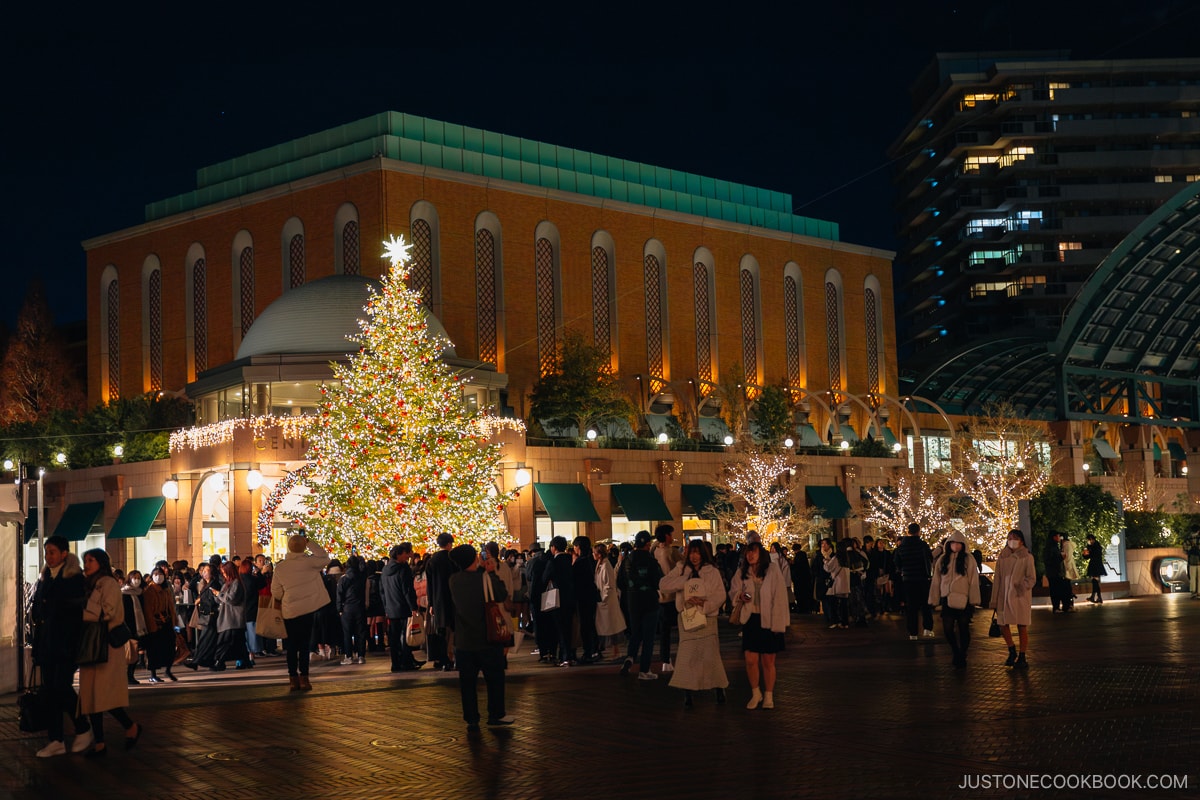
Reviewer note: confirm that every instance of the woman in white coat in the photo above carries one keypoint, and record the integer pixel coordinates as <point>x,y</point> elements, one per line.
<point>955,587</point>
<point>298,583</point>
<point>104,687</point>
<point>609,619</point>
<point>697,585</point>
<point>760,603</point>
<point>1012,595</point>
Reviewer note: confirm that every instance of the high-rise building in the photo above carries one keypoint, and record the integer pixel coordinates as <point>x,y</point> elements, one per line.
<point>1017,175</point>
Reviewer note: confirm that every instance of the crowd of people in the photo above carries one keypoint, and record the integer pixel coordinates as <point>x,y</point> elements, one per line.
<point>581,603</point>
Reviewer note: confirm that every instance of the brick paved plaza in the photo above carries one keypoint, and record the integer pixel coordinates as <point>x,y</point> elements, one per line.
<point>862,713</point>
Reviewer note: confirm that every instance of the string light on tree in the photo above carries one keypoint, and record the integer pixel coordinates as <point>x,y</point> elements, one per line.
<point>751,496</point>
<point>913,498</point>
<point>399,454</point>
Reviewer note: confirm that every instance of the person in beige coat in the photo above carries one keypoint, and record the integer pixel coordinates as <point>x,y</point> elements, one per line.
<point>299,585</point>
<point>1012,595</point>
<point>103,687</point>
<point>955,587</point>
<point>609,620</point>
<point>698,585</point>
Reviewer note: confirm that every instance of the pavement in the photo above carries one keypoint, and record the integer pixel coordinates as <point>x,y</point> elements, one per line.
<point>1109,704</point>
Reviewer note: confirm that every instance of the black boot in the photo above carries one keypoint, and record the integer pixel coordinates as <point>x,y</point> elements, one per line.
<point>687,698</point>
<point>1012,657</point>
<point>720,695</point>
<point>1021,662</point>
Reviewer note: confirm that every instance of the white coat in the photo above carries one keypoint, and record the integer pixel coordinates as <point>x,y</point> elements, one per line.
<point>773,600</point>
<point>298,582</point>
<point>1012,586</point>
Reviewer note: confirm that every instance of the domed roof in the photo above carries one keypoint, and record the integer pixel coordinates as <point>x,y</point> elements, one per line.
<point>316,318</point>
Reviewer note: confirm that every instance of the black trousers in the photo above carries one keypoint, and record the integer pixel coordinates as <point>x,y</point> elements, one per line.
<point>299,631</point>
<point>489,661</point>
<point>916,602</point>
<point>666,623</point>
<point>564,617</point>
<point>587,629</point>
<point>544,632</point>
<point>956,626</point>
<point>354,632</point>
<point>1060,593</point>
<point>57,681</point>
<point>402,654</point>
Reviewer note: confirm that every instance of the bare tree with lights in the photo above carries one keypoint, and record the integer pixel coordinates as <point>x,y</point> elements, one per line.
<point>1005,459</point>
<point>399,455</point>
<point>756,491</point>
<point>914,497</point>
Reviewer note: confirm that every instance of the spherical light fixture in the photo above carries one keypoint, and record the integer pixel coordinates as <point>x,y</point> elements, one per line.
<point>118,450</point>
<point>60,458</point>
<point>254,479</point>
<point>789,442</point>
<point>662,439</point>
<point>523,477</point>
<point>1116,539</point>
<point>170,489</point>
<point>591,434</point>
<point>728,440</point>
<point>1087,467</point>
<point>216,481</point>
<point>8,463</point>
<point>845,445</point>
<point>897,447</point>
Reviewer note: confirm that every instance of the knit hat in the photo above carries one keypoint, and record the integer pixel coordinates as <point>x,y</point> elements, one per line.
<point>463,556</point>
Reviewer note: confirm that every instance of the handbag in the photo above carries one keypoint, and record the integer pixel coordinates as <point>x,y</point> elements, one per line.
<point>33,707</point>
<point>421,589</point>
<point>270,620</point>
<point>693,618</point>
<point>93,644</point>
<point>119,635</point>
<point>182,651</point>
<point>414,633</point>
<point>994,629</point>
<point>550,598</point>
<point>498,631</point>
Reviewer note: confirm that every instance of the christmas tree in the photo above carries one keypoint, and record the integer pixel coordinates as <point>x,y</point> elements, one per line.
<point>398,454</point>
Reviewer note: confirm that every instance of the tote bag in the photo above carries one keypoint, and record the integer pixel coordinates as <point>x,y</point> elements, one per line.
<point>495,616</point>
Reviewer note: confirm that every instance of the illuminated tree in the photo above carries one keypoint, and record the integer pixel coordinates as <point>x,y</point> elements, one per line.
<point>915,497</point>
<point>1004,460</point>
<point>751,496</point>
<point>399,455</point>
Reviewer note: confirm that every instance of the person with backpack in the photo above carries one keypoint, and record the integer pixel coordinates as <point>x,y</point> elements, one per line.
<point>913,561</point>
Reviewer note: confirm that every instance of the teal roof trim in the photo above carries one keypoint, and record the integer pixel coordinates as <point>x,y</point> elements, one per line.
<point>416,140</point>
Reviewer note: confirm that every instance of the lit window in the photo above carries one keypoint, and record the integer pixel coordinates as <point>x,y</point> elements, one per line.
<point>200,314</point>
<point>700,277</point>
<point>749,326</point>
<point>486,281</point>
<point>602,297</point>
<point>420,267</point>
<point>872,325</point>
<point>1163,178</point>
<point>655,323</point>
<point>545,295</point>
<point>246,273</point>
<point>973,163</point>
<point>296,260</point>
<point>833,334</point>
<point>154,301</point>
<point>350,249</point>
<point>114,341</point>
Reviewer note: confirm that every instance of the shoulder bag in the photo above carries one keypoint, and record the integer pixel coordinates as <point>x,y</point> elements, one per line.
<point>33,706</point>
<point>994,628</point>
<point>93,644</point>
<point>550,597</point>
<point>270,620</point>
<point>495,617</point>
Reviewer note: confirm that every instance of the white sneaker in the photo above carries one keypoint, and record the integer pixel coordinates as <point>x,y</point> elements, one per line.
<point>647,676</point>
<point>930,633</point>
<point>360,660</point>
<point>668,667</point>
<point>52,749</point>
<point>912,638</point>
<point>82,742</point>
<point>347,661</point>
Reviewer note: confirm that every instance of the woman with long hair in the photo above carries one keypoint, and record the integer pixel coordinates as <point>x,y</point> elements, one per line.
<point>103,687</point>
<point>231,620</point>
<point>131,599</point>
<point>760,601</point>
<point>158,608</point>
<point>837,567</point>
<point>1095,568</point>
<point>610,623</point>
<point>955,586</point>
<point>698,584</point>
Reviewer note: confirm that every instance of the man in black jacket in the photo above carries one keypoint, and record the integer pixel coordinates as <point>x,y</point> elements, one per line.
<point>58,623</point>
<point>640,574</point>
<point>1052,561</point>
<point>543,622</point>
<point>474,653</point>
<point>558,571</point>
<point>399,604</point>
<point>441,606</point>
<point>352,605</point>
<point>913,561</point>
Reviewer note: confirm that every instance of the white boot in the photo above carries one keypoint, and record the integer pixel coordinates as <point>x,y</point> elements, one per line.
<point>769,700</point>
<point>755,698</point>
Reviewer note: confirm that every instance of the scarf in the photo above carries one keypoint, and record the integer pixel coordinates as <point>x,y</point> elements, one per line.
<point>136,593</point>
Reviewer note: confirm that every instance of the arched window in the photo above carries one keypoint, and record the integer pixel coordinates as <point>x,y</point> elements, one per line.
<point>346,258</point>
<point>835,330</point>
<point>246,277</point>
<point>546,289</point>
<point>702,279</point>
<point>424,270</point>
<point>604,316</point>
<point>293,253</point>
<point>793,324</point>
<point>111,320</point>
<point>751,318</point>
<point>654,267</point>
<point>489,326</point>
<point>242,258</point>
<point>874,324</point>
<point>152,333</point>
<point>200,314</point>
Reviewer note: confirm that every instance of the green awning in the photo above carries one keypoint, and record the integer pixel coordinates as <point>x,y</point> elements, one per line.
<point>1157,452</point>
<point>1104,449</point>
<point>849,434</point>
<point>702,499</point>
<point>808,436</point>
<point>1177,452</point>
<point>889,438</point>
<point>829,500</point>
<point>136,517</point>
<point>641,502</point>
<point>78,520</point>
<point>658,423</point>
<point>567,502</point>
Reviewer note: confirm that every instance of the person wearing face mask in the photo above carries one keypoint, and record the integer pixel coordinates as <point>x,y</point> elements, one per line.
<point>955,587</point>
<point>1012,595</point>
<point>158,610</point>
<point>131,595</point>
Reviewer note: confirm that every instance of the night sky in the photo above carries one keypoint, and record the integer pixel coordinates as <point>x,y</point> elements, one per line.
<point>105,115</point>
